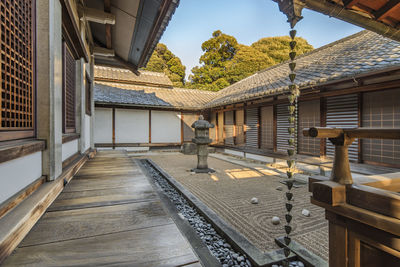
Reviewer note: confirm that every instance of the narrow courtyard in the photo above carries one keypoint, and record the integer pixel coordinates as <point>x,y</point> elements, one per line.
<point>229,191</point>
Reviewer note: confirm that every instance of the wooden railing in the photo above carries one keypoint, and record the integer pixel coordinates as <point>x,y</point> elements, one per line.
<point>342,139</point>
<point>363,214</point>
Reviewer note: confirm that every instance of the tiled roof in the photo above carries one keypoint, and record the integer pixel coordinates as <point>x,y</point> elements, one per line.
<point>127,76</point>
<point>106,92</point>
<point>362,52</point>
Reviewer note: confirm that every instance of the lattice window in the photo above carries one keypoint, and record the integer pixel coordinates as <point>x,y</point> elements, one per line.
<point>309,116</point>
<point>17,69</point>
<point>69,92</point>
<point>381,110</point>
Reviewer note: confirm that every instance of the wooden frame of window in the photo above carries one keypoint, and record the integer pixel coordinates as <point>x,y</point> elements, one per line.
<point>88,95</point>
<point>18,70</point>
<point>68,90</point>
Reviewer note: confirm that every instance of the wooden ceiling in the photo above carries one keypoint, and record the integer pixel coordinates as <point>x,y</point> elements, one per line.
<point>385,11</point>
<point>380,16</point>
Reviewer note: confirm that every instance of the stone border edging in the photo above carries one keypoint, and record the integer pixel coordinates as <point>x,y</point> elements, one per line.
<point>201,250</point>
<point>239,242</point>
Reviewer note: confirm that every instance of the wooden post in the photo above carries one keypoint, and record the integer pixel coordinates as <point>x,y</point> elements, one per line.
<point>245,125</point>
<point>275,129</point>
<point>359,125</point>
<point>259,127</point>
<point>113,128</point>
<point>234,127</point>
<point>322,124</point>
<point>182,139</point>
<point>150,126</point>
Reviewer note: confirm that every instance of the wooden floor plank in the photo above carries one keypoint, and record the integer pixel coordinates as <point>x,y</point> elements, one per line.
<point>109,214</point>
<point>73,224</point>
<point>83,184</point>
<point>103,197</point>
<point>135,248</point>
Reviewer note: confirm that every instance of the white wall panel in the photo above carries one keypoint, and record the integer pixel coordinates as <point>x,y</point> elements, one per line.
<point>88,130</point>
<point>69,149</point>
<point>103,125</point>
<point>131,126</point>
<point>165,127</point>
<point>18,173</point>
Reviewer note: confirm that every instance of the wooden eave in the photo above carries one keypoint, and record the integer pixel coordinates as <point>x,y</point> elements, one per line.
<point>150,84</point>
<point>157,26</point>
<point>380,16</point>
<point>71,32</point>
<point>146,107</point>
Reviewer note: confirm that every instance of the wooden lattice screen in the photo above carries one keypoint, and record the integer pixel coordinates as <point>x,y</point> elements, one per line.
<point>17,69</point>
<point>69,69</point>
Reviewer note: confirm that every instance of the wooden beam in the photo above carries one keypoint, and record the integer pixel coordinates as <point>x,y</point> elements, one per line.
<point>350,3</point>
<point>107,8</point>
<point>20,196</point>
<point>101,51</point>
<point>70,137</point>
<point>383,11</point>
<point>128,65</point>
<point>136,144</point>
<point>19,148</point>
<point>98,16</point>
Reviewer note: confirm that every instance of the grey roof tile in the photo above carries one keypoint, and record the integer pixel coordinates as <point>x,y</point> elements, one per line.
<point>362,52</point>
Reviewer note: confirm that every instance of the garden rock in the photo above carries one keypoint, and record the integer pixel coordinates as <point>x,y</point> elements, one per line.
<point>305,212</point>
<point>254,200</point>
<point>275,220</point>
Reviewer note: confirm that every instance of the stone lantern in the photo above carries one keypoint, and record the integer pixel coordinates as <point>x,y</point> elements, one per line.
<point>201,132</point>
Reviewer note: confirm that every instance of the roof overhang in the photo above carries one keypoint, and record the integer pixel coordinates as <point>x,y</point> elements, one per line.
<point>380,16</point>
<point>132,36</point>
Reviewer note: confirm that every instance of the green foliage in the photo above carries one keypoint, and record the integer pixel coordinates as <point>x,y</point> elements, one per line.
<point>218,51</point>
<point>225,62</point>
<point>278,47</point>
<point>163,60</point>
<point>247,61</point>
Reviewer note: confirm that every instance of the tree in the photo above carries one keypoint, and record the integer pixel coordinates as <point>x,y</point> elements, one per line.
<point>218,50</point>
<point>278,48</point>
<point>163,60</point>
<point>247,61</point>
<point>225,62</point>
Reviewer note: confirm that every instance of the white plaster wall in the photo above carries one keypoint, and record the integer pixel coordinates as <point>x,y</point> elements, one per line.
<point>18,173</point>
<point>103,125</point>
<point>165,127</point>
<point>69,149</point>
<point>131,126</point>
<point>88,130</point>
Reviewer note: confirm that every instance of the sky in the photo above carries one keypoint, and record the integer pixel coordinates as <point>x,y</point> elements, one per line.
<point>248,21</point>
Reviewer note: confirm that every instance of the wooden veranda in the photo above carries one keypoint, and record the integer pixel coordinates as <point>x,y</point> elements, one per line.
<point>108,214</point>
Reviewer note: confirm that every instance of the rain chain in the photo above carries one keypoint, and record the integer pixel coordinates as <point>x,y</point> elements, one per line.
<point>292,142</point>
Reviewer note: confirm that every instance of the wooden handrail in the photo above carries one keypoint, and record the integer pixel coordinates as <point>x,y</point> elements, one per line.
<point>342,139</point>
<point>370,133</point>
